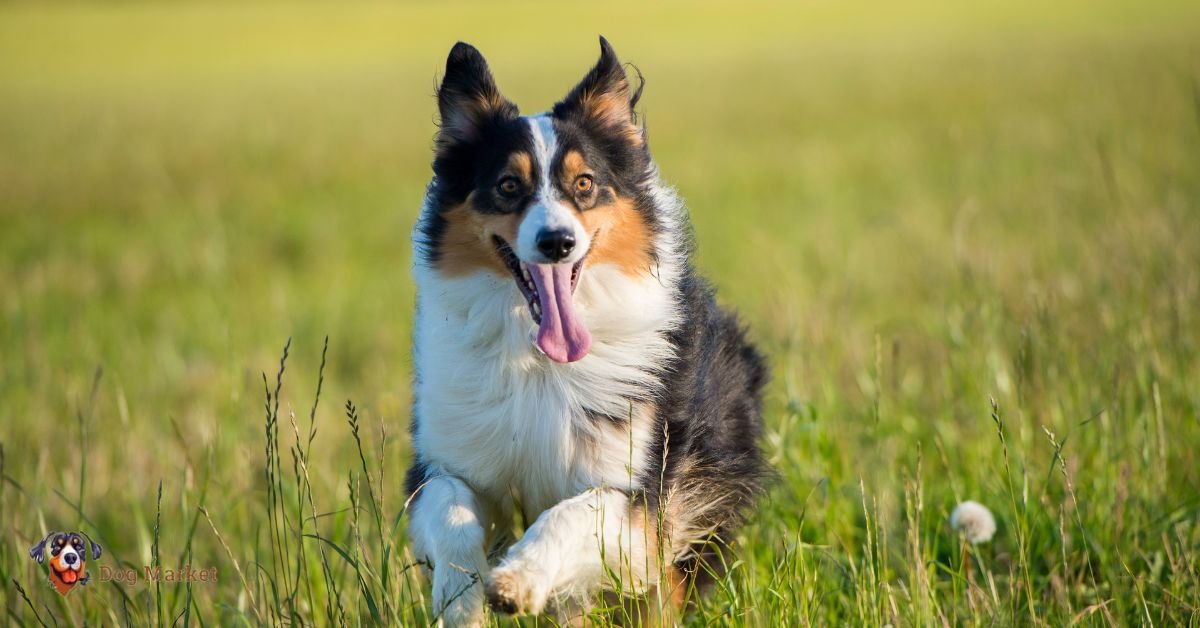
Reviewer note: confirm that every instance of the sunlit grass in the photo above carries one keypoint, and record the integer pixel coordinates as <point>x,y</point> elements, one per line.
<point>917,208</point>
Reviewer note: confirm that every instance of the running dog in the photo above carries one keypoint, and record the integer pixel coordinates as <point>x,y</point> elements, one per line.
<point>572,370</point>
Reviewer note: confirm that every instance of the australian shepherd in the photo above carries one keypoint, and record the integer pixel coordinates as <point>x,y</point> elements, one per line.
<point>574,376</point>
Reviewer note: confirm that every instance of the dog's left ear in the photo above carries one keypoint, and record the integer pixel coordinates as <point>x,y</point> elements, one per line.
<point>96,551</point>
<point>38,552</point>
<point>468,98</point>
<point>604,97</point>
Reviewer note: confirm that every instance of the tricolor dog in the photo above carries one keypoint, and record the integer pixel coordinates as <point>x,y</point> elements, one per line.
<point>68,555</point>
<point>573,374</point>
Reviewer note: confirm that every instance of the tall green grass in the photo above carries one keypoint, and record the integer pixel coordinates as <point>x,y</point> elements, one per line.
<point>967,235</point>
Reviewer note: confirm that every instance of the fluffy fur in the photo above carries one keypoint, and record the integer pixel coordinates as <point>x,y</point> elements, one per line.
<point>620,419</point>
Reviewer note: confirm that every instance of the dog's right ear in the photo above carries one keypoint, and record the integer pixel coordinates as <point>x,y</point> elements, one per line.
<point>38,552</point>
<point>96,549</point>
<point>604,98</point>
<point>468,98</point>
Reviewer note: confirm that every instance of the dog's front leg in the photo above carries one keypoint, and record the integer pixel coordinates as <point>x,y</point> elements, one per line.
<point>600,537</point>
<point>446,525</point>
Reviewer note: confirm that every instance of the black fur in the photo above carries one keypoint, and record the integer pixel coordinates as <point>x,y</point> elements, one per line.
<point>95,548</point>
<point>486,132</point>
<point>710,420</point>
<point>38,552</point>
<point>415,476</point>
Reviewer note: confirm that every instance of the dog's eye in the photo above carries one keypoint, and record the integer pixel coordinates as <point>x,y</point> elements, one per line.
<point>508,186</point>
<point>584,183</point>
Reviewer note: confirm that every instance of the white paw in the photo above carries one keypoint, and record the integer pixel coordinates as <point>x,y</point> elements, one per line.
<point>513,589</point>
<point>457,597</point>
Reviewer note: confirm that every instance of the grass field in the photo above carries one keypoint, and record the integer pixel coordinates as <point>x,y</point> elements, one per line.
<point>918,209</point>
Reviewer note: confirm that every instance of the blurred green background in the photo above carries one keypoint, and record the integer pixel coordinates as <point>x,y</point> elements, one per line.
<point>914,205</point>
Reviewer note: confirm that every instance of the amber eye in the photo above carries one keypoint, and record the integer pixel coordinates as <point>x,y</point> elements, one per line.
<point>584,183</point>
<point>508,186</point>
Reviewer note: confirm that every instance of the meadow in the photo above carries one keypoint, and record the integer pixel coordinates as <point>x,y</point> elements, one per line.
<point>967,235</point>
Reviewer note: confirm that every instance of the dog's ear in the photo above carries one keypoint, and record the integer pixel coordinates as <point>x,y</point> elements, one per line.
<point>38,552</point>
<point>604,97</point>
<point>468,98</point>
<point>96,550</point>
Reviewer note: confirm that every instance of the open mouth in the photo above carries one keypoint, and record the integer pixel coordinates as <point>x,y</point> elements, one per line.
<point>67,576</point>
<point>520,272</point>
<point>549,290</point>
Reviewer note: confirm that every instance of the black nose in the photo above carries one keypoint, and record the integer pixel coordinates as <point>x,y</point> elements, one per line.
<point>71,558</point>
<point>555,245</point>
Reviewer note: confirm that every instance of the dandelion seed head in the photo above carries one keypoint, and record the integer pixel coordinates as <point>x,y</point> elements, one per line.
<point>974,521</point>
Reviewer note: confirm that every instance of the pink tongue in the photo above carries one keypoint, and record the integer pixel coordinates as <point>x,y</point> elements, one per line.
<point>561,335</point>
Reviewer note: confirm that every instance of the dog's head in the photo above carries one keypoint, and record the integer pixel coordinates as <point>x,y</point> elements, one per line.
<point>67,555</point>
<point>540,199</point>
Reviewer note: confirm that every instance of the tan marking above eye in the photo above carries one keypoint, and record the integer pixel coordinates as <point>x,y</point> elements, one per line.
<point>573,165</point>
<point>521,165</point>
<point>575,170</point>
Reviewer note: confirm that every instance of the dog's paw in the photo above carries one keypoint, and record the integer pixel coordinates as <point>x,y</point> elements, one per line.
<point>512,590</point>
<point>457,598</point>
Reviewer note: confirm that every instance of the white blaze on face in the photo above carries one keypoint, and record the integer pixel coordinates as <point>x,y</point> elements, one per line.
<point>70,551</point>
<point>547,212</point>
<point>562,335</point>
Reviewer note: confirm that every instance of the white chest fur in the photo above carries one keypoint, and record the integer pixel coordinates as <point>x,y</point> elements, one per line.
<point>495,412</point>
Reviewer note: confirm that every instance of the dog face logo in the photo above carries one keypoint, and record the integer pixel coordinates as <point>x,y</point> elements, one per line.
<point>68,556</point>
